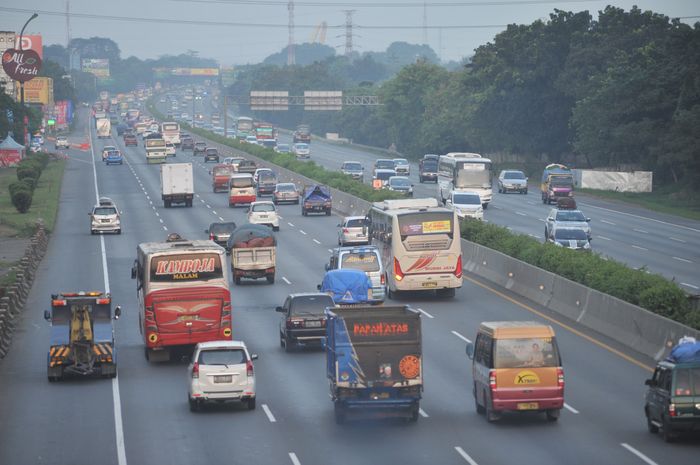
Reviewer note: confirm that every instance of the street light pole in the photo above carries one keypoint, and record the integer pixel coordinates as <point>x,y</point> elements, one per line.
<point>21,84</point>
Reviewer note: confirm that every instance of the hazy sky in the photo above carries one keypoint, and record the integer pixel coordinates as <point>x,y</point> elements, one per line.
<point>259,27</point>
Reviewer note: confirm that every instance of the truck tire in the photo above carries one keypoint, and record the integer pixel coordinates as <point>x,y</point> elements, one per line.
<point>251,403</point>
<point>414,413</point>
<point>339,412</point>
<point>237,280</point>
<point>303,212</point>
<point>288,345</point>
<point>479,408</point>
<point>328,212</point>
<point>446,293</point>
<point>194,404</point>
<point>553,414</point>
<point>167,203</point>
<point>55,374</point>
<point>271,279</point>
<point>491,415</point>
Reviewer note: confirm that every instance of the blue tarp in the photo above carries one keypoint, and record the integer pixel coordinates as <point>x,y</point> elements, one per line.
<point>317,192</point>
<point>347,286</point>
<point>683,353</point>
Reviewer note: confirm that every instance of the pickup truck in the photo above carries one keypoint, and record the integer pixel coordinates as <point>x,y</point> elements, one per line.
<point>253,253</point>
<point>347,287</point>
<point>374,360</point>
<point>316,199</point>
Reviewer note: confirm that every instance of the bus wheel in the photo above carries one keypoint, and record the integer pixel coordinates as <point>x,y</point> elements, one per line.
<point>449,292</point>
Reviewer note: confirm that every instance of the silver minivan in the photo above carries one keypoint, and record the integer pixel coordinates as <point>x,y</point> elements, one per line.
<point>365,258</point>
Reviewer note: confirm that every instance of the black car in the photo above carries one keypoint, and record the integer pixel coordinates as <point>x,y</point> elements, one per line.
<point>199,147</point>
<point>211,154</point>
<point>186,143</point>
<point>428,169</point>
<point>672,402</point>
<point>220,232</point>
<point>304,319</point>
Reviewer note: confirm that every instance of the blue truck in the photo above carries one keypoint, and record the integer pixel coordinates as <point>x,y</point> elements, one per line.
<point>82,336</point>
<point>316,199</point>
<point>374,360</point>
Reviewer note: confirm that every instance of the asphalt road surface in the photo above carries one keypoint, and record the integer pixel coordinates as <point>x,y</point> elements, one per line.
<point>142,415</point>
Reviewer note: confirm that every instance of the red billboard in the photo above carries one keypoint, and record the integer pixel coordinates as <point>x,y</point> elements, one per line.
<point>31,42</point>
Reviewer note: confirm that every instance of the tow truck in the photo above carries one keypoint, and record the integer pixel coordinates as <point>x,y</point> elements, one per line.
<point>82,336</point>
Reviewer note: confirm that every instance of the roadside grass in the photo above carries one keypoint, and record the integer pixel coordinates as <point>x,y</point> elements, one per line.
<point>668,199</point>
<point>44,202</point>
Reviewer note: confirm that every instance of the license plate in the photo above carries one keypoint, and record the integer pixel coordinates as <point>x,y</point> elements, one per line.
<point>223,378</point>
<point>263,216</point>
<point>313,324</point>
<point>429,284</point>
<point>528,406</point>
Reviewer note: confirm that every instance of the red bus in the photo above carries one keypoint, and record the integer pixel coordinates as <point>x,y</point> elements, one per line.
<point>184,295</point>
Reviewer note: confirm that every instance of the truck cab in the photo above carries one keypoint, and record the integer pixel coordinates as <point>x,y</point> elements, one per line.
<point>82,335</point>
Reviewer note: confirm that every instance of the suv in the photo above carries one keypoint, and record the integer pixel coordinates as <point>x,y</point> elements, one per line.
<point>211,154</point>
<point>221,371</point>
<point>363,258</point>
<point>264,212</point>
<point>512,180</point>
<point>199,147</point>
<point>105,217</point>
<point>62,143</point>
<point>428,168</point>
<point>560,218</point>
<point>304,319</point>
<point>354,169</point>
<point>672,402</point>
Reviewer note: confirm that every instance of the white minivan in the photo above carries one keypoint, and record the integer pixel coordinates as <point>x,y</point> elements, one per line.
<point>221,371</point>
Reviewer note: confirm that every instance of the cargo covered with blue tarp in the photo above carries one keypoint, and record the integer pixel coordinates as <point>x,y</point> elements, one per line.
<point>316,199</point>
<point>374,360</point>
<point>347,286</point>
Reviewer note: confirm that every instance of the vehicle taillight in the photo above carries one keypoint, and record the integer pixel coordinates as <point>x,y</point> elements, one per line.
<point>211,237</point>
<point>492,379</point>
<point>295,323</point>
<point>398,274</point>
<point>249,368</point>
<point>345,230</point>
<point>458,269</point>
<point>672,410</point>
<point>560,377</point>
<point>382,280</point>
<point>195,370</point>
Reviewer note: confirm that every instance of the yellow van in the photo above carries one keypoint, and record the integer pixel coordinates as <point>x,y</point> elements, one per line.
<point>517,367</point>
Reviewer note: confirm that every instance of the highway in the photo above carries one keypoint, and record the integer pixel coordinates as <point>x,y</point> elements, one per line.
<point>142,415</point>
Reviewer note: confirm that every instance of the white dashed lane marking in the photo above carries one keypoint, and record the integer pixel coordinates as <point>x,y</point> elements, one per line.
<point>302,231</point>
<point>685,260</point>
<point>425,313</point>
<point>286,280</point>
<point>520,213</point>
<point>422,413</point>
<point>604,238</point>
<point>269,414</point>
<point>570,409</point>
<point>638,454</point>
<point>641,231</point>
<point>290,224</point>
<point>639,247</point>
<point>677,240</point>
<point>690,286</point>
<point>461,337</point>
<point>316,241</point>
<point>465,456</point>
<point>608,222</point>
<point>294,459</point>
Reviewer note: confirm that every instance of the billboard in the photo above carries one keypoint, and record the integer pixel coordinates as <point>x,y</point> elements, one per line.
<point>99,67</point>
<point>323,100</point>
<point>64,112</point>
<point>38,90</point>
<point>269,100</point>
<point>31,42</point>
<point>193,72</point>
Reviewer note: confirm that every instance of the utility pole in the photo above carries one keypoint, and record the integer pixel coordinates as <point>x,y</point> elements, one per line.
<point>225,116</point>
<point>425,23</point>
<point>67,24</point>
<point>291,59</point>
<point>21,83</point>
<point>348,31</point>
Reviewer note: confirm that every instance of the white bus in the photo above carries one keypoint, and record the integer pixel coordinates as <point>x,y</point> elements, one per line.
<point>171,132</point>
<point>419,243</point>
<point>465,171</point>
<point>244,127</point>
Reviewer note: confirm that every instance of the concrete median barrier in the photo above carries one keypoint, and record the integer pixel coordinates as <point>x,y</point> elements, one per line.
<point>568,298</point>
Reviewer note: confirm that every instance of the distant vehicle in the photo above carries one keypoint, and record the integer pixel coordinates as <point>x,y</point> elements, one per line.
<point>130,140</point>
<point>105,217</point>
<point>347,286</point>
<point>568,219</point>
<point>199,148</point>
<point>233,161</point>
<point>221,371</point>
<point>282,148</point>
<point>177,184</point>
<point>220,233</point>
<point>106,149</point>
<point>253,253</point>
<point>366,259</point>
<point>400,184</point>
<point>402,166</point>
<point>268,143</point>
<point>264,212</point>
<point>259,171</point>
<point>251,140</point>
<point>170,149</point>
<point>114,157</point>
<point>353,169</point>
<point>302,134</point>
<point>316,199</point>
<point>303,321</point>
<point>557,182</point>
<point>244,127</point>
<point>62,143</point>
<point>570,238</point>
<point>220,175</point>
<point>155,149</point>
<point>104,128</point>
<point>266,183</point>
<point>211,154</point>
<point>285,192</point>
<point>381,177</point>
<point>467,204</point>
<point>171,132</point>
<point>512,180</point>
<point>384,164</point>
<point>301,150</point>
<point>241,189</point>
<point>465,171</point>
<point>428,168</point>
<point>121,128</point>
<point>247,166</point>
<point>352,230</point>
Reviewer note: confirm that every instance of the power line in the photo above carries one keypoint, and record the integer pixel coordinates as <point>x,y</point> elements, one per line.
<point>391,5</point>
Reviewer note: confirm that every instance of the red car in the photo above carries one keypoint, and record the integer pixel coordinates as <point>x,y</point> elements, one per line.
<point>130,139</point>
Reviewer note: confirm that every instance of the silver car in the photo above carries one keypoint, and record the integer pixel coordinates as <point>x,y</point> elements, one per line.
<point>352,231</point>
<point>568,219</point>
<point>363,258</point>
<point>402,166</point>
<point>285,192</point>
<point>353,169</point>
<point>105,217</point>
<point>512,181</point>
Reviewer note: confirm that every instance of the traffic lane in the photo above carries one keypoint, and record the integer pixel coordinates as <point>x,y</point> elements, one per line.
<point>41,418</point>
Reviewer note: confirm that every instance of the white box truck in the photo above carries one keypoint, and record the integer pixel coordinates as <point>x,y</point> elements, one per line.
<point>104,127</point>
<point>177,184</point>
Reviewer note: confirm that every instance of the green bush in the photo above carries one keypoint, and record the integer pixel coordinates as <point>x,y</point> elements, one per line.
<point>22,200</point>
<point>652,292</point>
<point>24,184</point>
<point>27,171</point>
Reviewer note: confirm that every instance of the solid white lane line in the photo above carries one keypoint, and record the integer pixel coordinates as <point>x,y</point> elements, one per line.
<point>639,247</point>
<point>520,213</point>
<point>461,337</point>
<point>604,238</point>
<point>285,280</point>
<point>608,222</point>
<point>294,459</point>
<point>682,259</point>
<point>690,286</point>
<point>422,413</point>
<point>643,218</point>
<point>570,408</point>
<point>425,313</point>
<point>465,456</point>
<point>641,231</point>
<point>316,241</point>
<point>290,224</point>
<point>116,398</point>
<point>269,414</point>
<point>302,231</point>
<point>677,240</point>
<point>638,454</point>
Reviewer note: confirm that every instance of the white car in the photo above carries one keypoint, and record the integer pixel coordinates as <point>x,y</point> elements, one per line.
<point>251,140</point>
<point>170,150</point>
<point>62,143</point>
<point>264,212</point>
<point>221,371</point>
<point>106,149</point>
<point>352,230</point>
<point>105,217</point>
<point>301,150</point>
<point>402,167</point>
<point>467,204</point>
